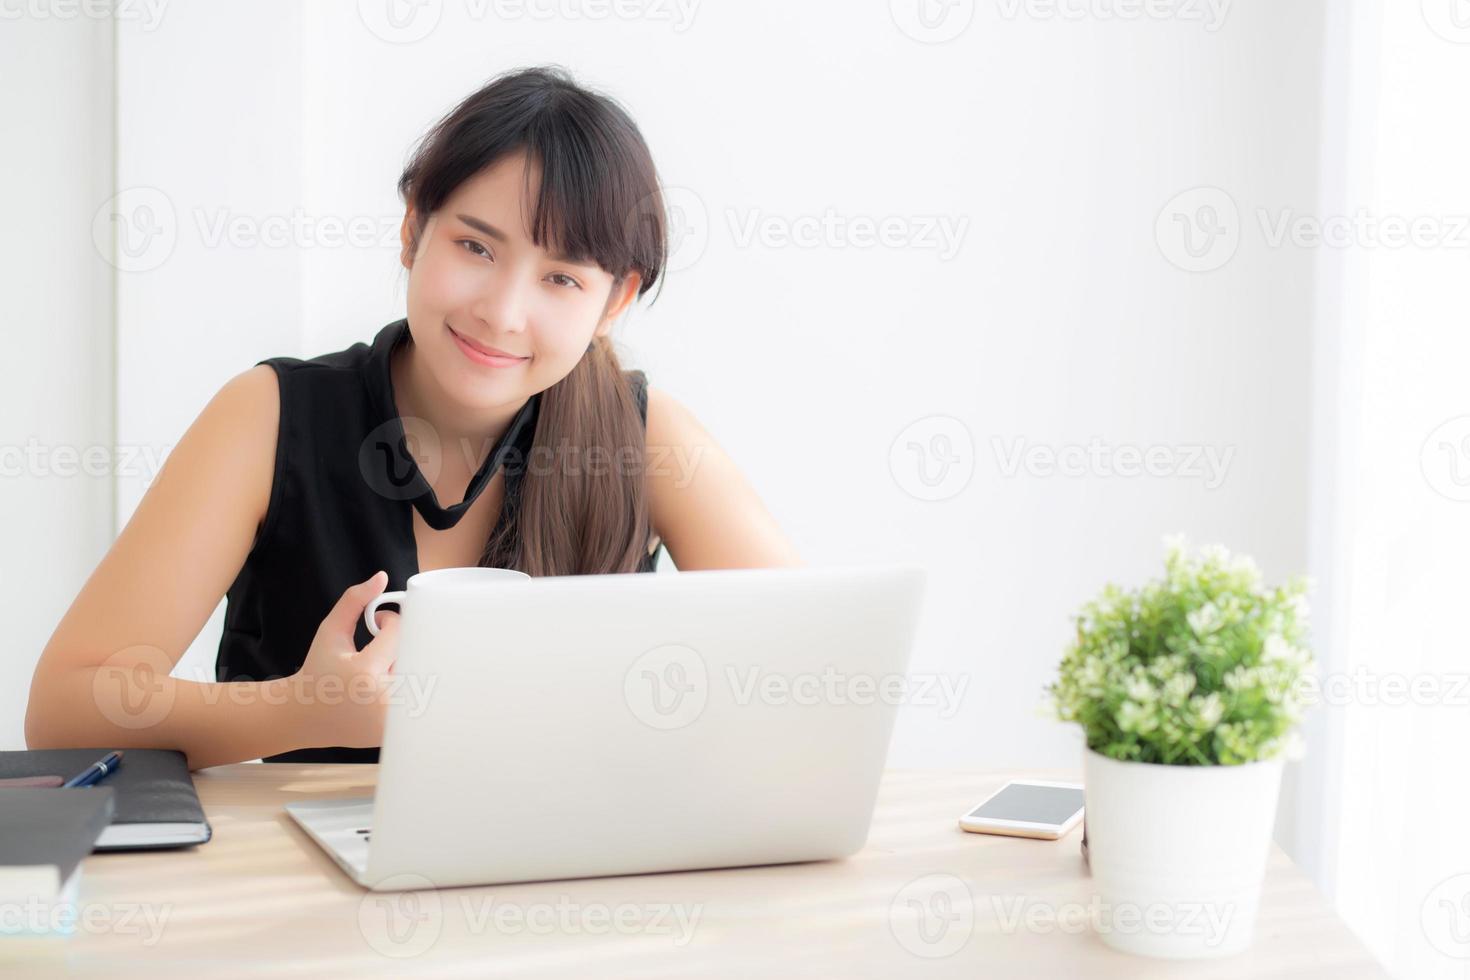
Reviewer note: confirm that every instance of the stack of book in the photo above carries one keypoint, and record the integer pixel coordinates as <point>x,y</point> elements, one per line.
<point>145,800</point>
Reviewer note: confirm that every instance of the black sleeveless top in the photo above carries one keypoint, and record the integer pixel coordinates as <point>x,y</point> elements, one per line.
<point>341,508</point>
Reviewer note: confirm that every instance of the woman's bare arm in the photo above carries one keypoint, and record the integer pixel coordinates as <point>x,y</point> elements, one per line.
<point>702,507</point>
<point>102,678</point>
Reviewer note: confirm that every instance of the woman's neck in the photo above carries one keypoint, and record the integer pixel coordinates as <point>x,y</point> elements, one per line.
<point>465,438</point>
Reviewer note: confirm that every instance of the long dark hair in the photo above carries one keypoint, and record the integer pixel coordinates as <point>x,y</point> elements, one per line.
<point>599,199</point>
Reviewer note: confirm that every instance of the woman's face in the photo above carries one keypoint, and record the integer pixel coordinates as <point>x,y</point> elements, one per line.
<point>495,318</point>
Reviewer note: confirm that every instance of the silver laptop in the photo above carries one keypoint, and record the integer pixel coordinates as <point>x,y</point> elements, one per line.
<point>581,726</point>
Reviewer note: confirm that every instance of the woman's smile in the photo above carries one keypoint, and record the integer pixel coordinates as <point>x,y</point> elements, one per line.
<point>483,354</point>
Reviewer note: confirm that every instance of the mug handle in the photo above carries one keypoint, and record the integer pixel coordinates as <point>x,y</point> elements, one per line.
<point>370,614</point>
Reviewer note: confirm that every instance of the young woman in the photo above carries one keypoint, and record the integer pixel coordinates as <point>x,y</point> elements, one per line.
<point>307,487</point>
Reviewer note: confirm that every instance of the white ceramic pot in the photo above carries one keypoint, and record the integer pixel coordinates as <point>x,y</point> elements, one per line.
<point>1178,853</point>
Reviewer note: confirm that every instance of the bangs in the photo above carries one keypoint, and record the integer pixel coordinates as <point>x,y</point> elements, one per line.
<point>598,199</point>
<point>580,208</point>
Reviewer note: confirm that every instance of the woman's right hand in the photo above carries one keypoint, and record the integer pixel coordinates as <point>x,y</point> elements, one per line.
<point>342,693</point>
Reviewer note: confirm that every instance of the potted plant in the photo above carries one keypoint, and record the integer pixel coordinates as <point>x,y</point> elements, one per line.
<point>1189,692</point>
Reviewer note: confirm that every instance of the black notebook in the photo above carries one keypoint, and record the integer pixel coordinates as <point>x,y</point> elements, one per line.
<point>156,805</point>
<point>44,834</point>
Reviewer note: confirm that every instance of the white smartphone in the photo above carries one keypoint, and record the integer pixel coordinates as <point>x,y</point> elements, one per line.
<point>1028,808</point>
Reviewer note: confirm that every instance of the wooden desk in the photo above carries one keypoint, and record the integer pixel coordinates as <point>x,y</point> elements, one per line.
<point>262,900</point>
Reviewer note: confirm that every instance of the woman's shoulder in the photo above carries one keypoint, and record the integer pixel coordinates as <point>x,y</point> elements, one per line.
<point>229,451</point>
<point>666,416</point>
<point>251,396</point>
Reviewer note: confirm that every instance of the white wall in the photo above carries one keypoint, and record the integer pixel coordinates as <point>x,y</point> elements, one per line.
<point>56,463</point>
<point>207,290</point>
<point>1056,143</point>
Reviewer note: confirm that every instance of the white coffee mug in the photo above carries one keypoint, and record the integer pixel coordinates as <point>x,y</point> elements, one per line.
<point>450,578</point>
